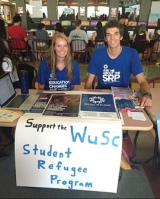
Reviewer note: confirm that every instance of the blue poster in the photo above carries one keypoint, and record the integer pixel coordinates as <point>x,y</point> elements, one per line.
<point>97,102</point>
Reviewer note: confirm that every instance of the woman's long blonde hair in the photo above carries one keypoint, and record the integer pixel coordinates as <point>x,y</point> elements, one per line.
<point>142,29</point>
<point>52,57</point>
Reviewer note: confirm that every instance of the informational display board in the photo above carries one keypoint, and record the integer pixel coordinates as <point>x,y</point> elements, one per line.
<point>153,19</point>
<point>68,153</point>
<point>36,9</point>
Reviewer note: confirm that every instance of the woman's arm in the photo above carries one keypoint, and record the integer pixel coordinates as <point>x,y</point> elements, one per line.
<point>94,36</point>
<point>133,39</point>
<point>41,87</point>
<point>147,37</point>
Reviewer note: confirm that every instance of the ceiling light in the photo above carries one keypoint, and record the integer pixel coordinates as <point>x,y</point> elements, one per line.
<point>5,0</point>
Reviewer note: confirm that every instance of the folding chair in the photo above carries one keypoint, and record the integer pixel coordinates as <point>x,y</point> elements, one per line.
<point>40,47</point>
<point>78,47</point>
<point>155,50</point>
<point>99,43</point>
<point>17,48</point>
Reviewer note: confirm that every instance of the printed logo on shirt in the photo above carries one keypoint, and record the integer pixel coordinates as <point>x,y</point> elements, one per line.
<point>109,75</point>
<point>58,84</point>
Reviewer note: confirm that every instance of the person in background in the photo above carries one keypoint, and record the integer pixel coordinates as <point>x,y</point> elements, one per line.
<point>113,66</point>
<point>141,35</point>
<point>124,18</point>
<point>42,34</point>
<point>126,38</point>
<point>29,19</point>
<point>58,28</point>
<point>98,35</point>
<point>7,65</point>
<point>156,45</point>
<point>16,31</point>
<point>3,33</point>
<point>79,34</point>
<point>58,71</point>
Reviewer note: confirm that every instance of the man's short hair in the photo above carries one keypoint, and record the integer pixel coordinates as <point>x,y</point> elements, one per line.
<point>40,26</point>
<point>114,24</point>
<point>16,19</point>
<point>77,22</point>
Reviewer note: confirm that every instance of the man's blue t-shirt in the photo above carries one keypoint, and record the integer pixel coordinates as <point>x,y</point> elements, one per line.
<point>60,82</point>
<point>114,72</point>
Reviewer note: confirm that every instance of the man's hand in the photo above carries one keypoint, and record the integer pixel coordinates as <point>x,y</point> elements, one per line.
<point>146,101</point>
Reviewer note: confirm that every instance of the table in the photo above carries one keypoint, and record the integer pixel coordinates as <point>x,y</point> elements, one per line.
<point>129,123</point>
<point>151,111</point>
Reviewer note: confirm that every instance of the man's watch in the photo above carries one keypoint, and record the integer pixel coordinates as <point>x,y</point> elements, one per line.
<point>148,94</point>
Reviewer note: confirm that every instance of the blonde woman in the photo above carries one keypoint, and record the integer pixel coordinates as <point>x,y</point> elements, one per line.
<point>142,35</point>
<point>139,40</point>
<point>58,71</point>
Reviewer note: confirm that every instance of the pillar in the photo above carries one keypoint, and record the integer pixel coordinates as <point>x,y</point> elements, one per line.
<point>52,9</point>
<point>145,7</point>
<point>82,6</point>
<point>22,3</point>
<point>113,9</point>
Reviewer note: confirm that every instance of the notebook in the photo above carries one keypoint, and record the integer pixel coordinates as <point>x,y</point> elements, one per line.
<point>90,33</point>
<point>50,33</point>
<point>131,34</point>
<point>8,96</point>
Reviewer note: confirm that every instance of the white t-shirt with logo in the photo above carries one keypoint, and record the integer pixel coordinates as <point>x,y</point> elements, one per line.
<point>8,67</point>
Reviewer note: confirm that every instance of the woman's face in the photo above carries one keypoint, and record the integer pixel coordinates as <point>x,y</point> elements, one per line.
<point>61,48</point>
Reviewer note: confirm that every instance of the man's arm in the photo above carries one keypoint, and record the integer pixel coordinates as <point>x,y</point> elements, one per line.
<point>89,81</point>
<point>144,88</point>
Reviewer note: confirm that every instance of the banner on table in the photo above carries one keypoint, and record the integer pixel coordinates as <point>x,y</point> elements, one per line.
<point>59,152</point>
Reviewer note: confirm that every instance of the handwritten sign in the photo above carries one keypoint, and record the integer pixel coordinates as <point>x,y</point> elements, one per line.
<point>59,152</point>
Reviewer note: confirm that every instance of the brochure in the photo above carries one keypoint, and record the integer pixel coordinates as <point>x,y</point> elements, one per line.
<point>125,99</point>
<point>41,103</point>
<point>63,105</point>
<point>9,116</point>
<point>100,106</point>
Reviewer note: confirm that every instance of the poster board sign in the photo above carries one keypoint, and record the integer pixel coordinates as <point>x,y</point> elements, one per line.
<point>153,19</point>
<point>113,12</point>
<point>67,153</point>
<point>82,11</point>
<point>20,10</point>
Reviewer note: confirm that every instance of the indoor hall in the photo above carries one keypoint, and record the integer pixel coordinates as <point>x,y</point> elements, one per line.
<point>135,183</point>
<point>144,150</point>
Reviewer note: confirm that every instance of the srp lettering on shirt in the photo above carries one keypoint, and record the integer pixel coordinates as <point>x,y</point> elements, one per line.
<point>59,84</point>
<point>110,75</point>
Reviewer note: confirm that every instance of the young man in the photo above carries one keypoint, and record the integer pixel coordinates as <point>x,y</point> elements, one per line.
<point>114,65</point>
<point>17,32</point>
<point>78,34</point>
<point>81,39</point>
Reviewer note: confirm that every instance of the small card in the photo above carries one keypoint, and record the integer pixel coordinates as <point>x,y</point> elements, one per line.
<point>138,116</point>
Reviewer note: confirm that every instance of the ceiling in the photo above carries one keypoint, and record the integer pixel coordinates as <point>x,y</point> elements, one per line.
<point>124,3</point>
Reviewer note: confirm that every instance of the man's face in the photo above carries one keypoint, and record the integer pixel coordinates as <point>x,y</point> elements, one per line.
<point>113,37</point>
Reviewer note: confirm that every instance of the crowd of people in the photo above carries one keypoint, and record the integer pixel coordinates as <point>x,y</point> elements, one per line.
<point>112,64</point>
